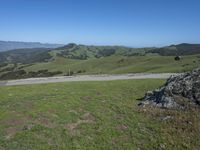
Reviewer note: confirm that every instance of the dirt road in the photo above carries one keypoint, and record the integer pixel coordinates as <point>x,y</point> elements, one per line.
<point>85,78</point>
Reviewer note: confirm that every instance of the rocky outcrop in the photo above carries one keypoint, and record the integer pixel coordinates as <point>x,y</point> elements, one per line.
<point>177,92</point>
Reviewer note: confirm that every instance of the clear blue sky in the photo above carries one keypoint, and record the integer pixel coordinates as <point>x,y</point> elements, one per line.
<point>134,23</point>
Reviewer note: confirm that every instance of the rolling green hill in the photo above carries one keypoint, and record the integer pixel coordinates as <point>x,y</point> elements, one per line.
<point>84,52</point>
<point>82,59</point>
<point>71,51</point>
<point>120,64</point>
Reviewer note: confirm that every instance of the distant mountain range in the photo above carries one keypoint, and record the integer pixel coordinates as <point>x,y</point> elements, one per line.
<point>10,45</point>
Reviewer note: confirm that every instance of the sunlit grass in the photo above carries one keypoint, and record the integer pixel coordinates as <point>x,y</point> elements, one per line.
<point>91,115</point>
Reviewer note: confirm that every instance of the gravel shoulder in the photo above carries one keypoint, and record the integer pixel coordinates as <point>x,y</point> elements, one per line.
<point>104,77</point>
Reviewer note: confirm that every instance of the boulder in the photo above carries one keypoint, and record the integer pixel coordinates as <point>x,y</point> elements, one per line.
<point>178,91</point>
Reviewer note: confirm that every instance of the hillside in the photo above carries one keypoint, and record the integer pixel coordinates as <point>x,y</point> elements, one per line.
<point>120,64</point>
<point>85,52</point>
<point>181,49</point>
<point>71,51</point>
<point>10,45</point>
<point>25,55</point>
<point>82,59</point>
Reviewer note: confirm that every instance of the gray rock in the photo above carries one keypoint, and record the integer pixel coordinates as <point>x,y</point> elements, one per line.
<point>184,86</point>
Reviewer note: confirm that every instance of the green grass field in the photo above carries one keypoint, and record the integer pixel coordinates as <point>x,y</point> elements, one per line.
<point>91,115</point>
<point>121,64</point>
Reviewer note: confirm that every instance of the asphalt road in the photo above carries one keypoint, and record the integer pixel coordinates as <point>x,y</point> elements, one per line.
<point>85,78</point>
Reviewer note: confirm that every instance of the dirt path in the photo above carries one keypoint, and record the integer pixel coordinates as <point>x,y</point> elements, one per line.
<point>85,78</point>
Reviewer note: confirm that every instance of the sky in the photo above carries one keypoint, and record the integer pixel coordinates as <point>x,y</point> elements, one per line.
<point>136,23</point>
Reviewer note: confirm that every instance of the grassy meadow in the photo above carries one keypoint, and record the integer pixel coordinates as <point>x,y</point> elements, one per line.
<point>120,64</point>
<point>91,115</point>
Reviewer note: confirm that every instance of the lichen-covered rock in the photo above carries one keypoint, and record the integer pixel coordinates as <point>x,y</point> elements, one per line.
<point>185,85</point>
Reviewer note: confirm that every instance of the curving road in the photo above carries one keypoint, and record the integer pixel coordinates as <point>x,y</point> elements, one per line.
<point>86,78</point>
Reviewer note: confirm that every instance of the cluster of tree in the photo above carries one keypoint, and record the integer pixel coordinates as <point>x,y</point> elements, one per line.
<point>134,54</point>
<point>71,55</point>
<point>43,73</point>
<point>181,49</point>
<point>70,73</point>
<point>105,52</point>
<point>80,71</point>
<point>13,75</point>
<point>3,64</point>
<point>7,69</point>
<point>25,55</point>
<point>20,74</point>
<point>80,57</point>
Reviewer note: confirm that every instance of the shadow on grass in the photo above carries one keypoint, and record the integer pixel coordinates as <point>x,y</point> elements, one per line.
<point>140,99</point>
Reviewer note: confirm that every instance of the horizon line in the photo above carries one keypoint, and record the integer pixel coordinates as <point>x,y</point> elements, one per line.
<point>54,43</point>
